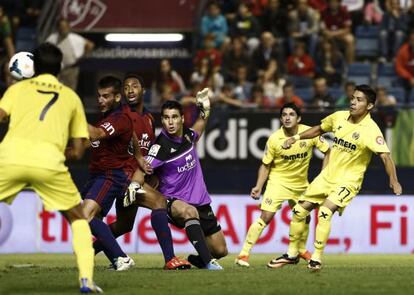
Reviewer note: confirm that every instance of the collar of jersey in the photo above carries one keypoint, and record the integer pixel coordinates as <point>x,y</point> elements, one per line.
<point>363,122</point>
<point>118,108</point>
<point>177,139</point>
<point>47,77</point>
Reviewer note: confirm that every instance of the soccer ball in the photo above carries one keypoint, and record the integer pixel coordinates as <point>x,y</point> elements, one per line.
<point>21,65</point>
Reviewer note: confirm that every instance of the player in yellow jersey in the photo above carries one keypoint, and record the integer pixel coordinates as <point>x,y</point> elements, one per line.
<point>43,115</point>
<point>356,137</point>
<point>286,172</point>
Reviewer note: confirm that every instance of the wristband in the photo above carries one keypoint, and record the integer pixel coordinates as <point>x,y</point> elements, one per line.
<point>296,137</point>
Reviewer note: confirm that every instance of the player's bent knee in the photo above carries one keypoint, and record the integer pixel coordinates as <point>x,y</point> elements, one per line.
<point>299,213</point>
<point>190,212</point>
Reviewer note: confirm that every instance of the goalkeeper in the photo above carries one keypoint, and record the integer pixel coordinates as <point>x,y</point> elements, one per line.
<point>175,162</point>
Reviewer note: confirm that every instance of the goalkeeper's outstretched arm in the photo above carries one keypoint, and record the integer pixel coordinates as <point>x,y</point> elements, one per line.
<point>203,103</point>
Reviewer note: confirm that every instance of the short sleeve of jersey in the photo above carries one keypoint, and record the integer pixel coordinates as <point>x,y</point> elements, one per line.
<point>375,141</point>
<point>153,157</point>
<point>270,151</point>
<point>321,144</point>
<point>116,125</point>
<point>6,103</point>
<point>78,124</point>
<point>328,122</point>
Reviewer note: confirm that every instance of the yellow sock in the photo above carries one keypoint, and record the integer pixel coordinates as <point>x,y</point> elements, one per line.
<point>82,246</point>
<point>303,238</point>
<point>253,234</point>
<point>297,227</point>
<point>322,232</point>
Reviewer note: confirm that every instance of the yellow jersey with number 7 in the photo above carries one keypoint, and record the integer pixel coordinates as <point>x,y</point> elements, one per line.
<point>44,114</point>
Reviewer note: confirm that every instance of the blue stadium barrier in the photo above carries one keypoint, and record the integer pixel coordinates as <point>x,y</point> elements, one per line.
<point>366,41</point>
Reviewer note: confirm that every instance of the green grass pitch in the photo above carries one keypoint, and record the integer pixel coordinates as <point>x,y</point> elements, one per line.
<point>341,274</point>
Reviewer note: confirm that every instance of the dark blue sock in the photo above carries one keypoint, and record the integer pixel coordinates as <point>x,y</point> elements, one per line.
<point>103,234</point>
<point>159,222</point>
<point>97,244</point>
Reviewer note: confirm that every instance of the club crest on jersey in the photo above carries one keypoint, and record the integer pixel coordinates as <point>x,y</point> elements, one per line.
<point>302,144</point>
<point>355,135</point>
<point>154,150</point>
<point>380,140</point>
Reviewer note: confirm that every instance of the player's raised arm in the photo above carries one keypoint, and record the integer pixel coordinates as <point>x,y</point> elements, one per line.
<point>392,173</point>
<point>307,134</point>
<point>262,176</point>
<point>203,103</point>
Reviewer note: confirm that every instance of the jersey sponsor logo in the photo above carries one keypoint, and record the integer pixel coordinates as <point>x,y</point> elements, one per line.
<point>130,148</point>
<point>349,146</point>
<point>295,156</point>
<point>144,142</point>
<point>355,135</point>
<point>154,150</point>
<point>190,163</point>
<point>108,127</point>
<point>96,144</point>
<point>380,140</point>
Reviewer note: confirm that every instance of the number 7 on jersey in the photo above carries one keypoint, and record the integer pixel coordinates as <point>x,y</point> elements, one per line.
<point>49,104</point>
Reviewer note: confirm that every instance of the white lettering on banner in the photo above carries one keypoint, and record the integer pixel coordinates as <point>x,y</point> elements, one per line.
<point>369,225</point>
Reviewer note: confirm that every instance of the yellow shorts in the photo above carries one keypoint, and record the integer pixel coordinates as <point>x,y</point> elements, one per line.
<point>276,194</point>
<point>55,188</point>
<point>341,194</point>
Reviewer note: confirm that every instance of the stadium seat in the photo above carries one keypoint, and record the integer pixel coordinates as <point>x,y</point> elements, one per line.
<point>386,75</point>
<point>411,97</point>
<point>25,39</point>
<point>366,41</point>
<point>305,93</point>
<point>336,92</point>
<point>360,73</point>
<point>300,82</point>
<point>399,94</point>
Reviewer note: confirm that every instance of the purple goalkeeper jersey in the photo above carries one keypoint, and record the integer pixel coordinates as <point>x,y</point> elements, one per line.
<point>177,166</point>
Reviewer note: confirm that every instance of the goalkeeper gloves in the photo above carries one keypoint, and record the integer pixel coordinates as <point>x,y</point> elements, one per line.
<point>133,189</point>
<point>203,102</point>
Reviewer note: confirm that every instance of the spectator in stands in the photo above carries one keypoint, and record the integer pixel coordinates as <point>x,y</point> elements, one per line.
<point>267,50</point>
<point>355,9</point>
<point>330,62</point>
<point>32,9</point>
<point>275,20</point>
<point>336,24</point>
<point>210,52</point>
<point>232,58</point>
<point>7,49</point>
<point>404,62</point>
<point>258,96</point>
<point>300,64</point>
<point>384,99</point>
<point>392,30</point>
<point>245,25</point>
<point>242,89</point>
<point>303,25</point>
<point>321,97</point>
<point>289,96</point>
<point>318,5</point>
<point>410,16</point>
<point>73,47</point>
<point>373,12</point>
<point>272,82</point>
<point>214,24</point>
<point>206,76</point>
<point>227,99</point>
<point>344,101</point>
<point>165,75</point>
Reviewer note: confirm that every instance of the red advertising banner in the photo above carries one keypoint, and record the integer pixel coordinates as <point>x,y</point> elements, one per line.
<point>127,15</point>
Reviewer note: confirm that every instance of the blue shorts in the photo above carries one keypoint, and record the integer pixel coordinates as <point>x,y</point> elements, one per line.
<point>105,187</point>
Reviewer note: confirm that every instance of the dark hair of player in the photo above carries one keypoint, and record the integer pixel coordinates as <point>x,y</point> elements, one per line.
<point>134,76</point>
<point>369,93</point>
<point>292,106</point>
<point>172,105</point>
<point>111,81</point>
<point>47,59</point>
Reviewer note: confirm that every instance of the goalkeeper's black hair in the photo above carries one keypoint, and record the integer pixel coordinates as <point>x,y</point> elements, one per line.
<point>369,93</point>
<point>292,106</point>
<point>172,105</point>
<point>47,59</point>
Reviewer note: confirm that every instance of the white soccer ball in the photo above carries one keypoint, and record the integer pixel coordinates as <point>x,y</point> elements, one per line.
<point>21,65</point>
